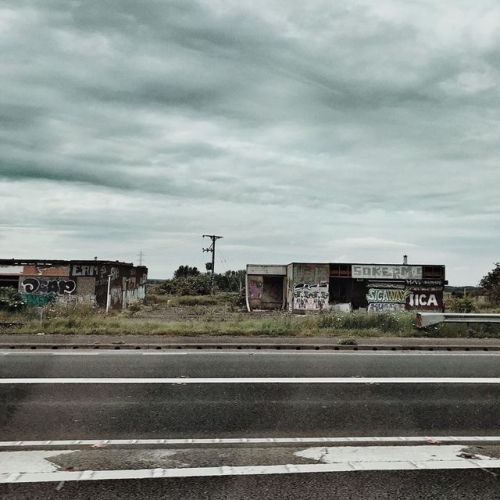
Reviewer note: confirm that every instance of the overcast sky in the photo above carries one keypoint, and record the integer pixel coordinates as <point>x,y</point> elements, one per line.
<point>300,131</point>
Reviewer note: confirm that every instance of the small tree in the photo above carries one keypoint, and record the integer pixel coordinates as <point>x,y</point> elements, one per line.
<point>186,272</point>
<point>491,284</point>
<point>230,281</point>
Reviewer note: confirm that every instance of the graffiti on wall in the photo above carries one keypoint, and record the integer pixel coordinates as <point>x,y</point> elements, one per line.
<point>310,297</point>
<point>425,299</point>
<point>387,297</point>
<point>255,287</point>
<point>386,272</point>
<point>56,286</point>
<point>100,272</point>
<point>385,307</point>
<point>31,299</point>
<point>382,297</point>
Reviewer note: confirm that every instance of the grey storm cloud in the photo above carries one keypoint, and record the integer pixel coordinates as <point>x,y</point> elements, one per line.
<point>318,130</point>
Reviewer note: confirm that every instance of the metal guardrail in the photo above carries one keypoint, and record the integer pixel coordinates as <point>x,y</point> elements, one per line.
<point>425,320</point>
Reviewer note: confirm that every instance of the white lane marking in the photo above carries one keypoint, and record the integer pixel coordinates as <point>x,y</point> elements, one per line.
<point>355,454</point>
<point>286,440</point>
<point>30,461</point>
<point>262,380</point>
<point>100,475</point>
<point>241,352</point>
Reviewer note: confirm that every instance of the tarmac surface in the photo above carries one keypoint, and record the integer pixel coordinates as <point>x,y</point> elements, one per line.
<point>134,395</point>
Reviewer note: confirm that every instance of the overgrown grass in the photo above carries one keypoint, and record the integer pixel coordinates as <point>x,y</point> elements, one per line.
<point>209,315</point>
<point>210,319</point>
<point>221,299</point>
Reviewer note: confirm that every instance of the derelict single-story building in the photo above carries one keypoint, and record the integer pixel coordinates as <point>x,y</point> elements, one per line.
<point>301,287</point>
<point>43,281</point>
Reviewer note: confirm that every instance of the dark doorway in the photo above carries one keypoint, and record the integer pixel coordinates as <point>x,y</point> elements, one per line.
<point>9,282</point>
<point>272,292</point>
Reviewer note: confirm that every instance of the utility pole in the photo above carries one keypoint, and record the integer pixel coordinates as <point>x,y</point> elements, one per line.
<point>210,266</point>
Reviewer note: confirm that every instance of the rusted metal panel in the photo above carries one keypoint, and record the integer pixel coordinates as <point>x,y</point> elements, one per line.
<point>45,270</point>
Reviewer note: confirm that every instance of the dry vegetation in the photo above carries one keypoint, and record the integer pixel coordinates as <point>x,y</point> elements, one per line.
<point>222,315</point>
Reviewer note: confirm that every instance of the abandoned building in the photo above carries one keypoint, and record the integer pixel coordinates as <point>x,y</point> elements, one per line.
<point>93,281</point>
<point>301,287</point>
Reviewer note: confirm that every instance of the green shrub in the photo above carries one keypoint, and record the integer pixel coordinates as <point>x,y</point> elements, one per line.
<point>11,300</point>
<point>189,285</point>
<point>194,300</point>
<point>461,305</point>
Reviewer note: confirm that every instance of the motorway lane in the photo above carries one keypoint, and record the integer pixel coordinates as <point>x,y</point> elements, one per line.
<point>95,411</point>
<point>144,410</point>
<point>193,364</point>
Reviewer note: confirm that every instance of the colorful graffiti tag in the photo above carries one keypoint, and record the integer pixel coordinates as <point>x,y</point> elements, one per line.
<point>31,299</point>
<point>399,297</point>
<point>385,307</point>
<point>58,286</point>
<point>310,297</point>
<point>387,297</point>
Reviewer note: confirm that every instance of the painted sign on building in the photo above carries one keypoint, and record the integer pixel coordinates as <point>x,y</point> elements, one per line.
<point>374,271</point>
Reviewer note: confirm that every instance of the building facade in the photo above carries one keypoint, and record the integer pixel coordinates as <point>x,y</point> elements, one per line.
<point>302,287</point>
<point>44,281</point>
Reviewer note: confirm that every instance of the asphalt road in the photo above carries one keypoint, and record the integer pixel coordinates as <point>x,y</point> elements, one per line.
<point>113,411</point>
<point>56,410</point>
<point>246,364</point>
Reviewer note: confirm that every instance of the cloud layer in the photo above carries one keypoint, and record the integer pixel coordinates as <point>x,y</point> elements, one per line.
<point>311,131</point>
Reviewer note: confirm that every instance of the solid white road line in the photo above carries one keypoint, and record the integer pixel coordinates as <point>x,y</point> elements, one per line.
<point>243,441</point>
<point>238,352</point>
<point>100,475</point>
<point>262,380</point>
